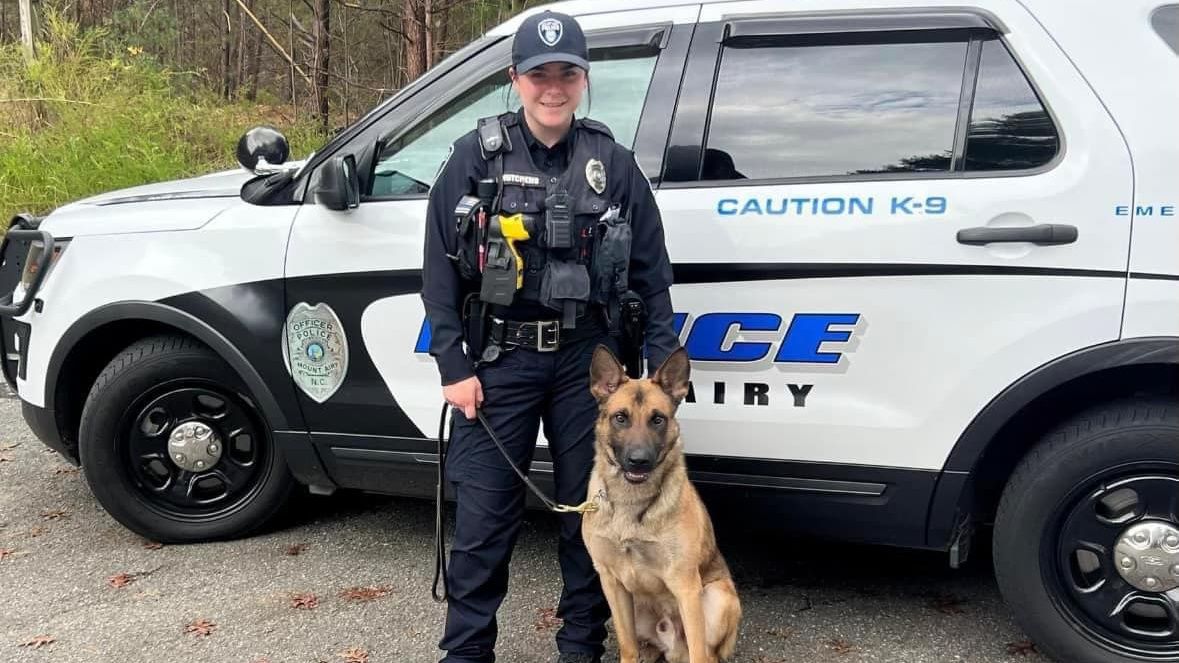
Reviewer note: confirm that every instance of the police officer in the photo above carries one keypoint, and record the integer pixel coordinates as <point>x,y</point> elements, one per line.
<point>595,238</point>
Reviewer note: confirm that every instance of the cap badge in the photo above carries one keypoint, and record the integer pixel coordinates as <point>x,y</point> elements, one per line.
<point>550,31</point>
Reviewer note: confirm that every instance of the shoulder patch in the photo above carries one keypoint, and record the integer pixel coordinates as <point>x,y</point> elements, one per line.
<point>594,125</point>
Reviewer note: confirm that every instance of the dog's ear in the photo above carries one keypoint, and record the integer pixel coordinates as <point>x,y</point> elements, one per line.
<point>606,373</point>
<point>672,375</point>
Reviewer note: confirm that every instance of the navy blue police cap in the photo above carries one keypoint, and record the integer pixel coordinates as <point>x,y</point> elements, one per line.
<point>546,37</point>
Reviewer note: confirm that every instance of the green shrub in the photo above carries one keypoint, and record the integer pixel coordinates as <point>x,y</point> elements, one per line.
<point>88,116</point>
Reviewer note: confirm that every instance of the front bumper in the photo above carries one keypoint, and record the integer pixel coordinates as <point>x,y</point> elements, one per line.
<point>43,423</point>
<point>14,349</point>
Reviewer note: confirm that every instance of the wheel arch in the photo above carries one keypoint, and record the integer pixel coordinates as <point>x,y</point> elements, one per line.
<point>986,453</point>
<point>98,336</point>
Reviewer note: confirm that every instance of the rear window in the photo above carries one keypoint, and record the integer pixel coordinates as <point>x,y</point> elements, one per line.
<point>785,110</point>
<point>1009,127</point>
<point>854,105</point>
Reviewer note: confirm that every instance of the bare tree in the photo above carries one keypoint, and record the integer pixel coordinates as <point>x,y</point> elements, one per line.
<point>26,28</point>
<point>413,28</point>
<point>226,45</point>
<point>323,51</point>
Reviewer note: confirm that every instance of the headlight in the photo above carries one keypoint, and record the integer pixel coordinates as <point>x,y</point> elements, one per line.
<point>36,248</point>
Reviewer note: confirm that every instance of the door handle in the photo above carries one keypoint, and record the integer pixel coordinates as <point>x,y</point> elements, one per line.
<point>1042,233</point>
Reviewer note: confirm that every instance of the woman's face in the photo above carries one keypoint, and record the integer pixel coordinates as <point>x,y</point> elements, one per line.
<point>550,93</point>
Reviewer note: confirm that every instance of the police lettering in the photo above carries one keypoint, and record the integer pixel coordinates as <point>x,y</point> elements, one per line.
<point>710,338</point>
<point>831,206</point>
<point>755,394</point>
<point>311,328</point>
<point>807,338</point>
<point>1145,210</point>
<point>796,206</point>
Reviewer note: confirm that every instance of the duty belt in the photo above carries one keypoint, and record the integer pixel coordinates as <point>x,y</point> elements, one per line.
<point>540,335</point>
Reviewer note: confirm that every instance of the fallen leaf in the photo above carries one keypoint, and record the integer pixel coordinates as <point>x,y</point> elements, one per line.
<point>295,549</point>
<point>10,552</point>
<point>38,641</point>
<point>120,580</point>
<point>365,593</point>
<point>304,601</point>
<point>547,619</point>
<point>201,627</point>
<point>354,655</point>
<point>55,514</point>
<point>1023,648</point>
<point>152,545</point>
<point>124,579</point>
<point>840,646</point>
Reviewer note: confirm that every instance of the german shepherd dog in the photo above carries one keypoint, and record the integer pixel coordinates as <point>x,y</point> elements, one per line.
<point>651,539</point>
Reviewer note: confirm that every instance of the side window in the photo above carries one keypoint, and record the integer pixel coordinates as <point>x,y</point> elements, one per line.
<point>1165,21</point>
<point>407,165</point>
<point>1009,128</point>
<point>619,79</point>
<point>794,107</point>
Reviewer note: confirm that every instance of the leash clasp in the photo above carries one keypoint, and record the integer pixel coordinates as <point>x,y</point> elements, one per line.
<point>588,506</point>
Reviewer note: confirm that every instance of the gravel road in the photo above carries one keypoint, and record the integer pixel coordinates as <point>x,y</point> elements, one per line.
<point>346,579</point>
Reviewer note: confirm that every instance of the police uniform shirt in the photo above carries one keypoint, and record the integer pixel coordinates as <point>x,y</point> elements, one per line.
<point>650,267</point>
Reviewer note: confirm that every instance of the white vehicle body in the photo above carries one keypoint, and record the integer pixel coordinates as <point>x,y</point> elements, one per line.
<point>862,366</point>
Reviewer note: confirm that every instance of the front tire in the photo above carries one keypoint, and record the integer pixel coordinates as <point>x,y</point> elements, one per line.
<point>174,448</point>
<point>1086,544</point>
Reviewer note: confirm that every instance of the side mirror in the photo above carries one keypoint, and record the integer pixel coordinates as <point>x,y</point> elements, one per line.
<point>260,147</point>
<point>339,184</point>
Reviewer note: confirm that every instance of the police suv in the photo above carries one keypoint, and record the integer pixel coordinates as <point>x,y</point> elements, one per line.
<point>927,271</point>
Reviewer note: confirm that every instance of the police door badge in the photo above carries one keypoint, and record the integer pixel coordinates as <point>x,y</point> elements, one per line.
<point>315,350</point>
<point>550,31</point>
<point>595,174</point>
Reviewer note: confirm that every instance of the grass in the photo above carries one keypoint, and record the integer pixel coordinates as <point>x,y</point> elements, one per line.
<point>87,117</point>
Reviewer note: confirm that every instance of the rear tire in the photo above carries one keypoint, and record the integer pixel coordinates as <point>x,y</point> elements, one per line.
<point>225,480</point>
<point>1073,498</point>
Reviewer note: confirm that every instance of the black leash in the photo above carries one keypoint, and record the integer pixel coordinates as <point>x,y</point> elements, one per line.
<point>439,516</point>
<point>584,507</point>
<point>439,540</point>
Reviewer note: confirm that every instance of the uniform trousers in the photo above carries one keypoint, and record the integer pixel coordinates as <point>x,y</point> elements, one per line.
<point>521,390</point>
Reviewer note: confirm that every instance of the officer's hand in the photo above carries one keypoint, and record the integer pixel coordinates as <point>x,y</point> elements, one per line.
<point>465,395</point>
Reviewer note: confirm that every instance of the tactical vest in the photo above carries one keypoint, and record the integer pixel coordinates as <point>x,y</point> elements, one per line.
<point>580,257</point>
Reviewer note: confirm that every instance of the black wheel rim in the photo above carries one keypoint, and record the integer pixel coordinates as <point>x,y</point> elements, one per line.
<point>187,494</point>
<point>1079,561</point>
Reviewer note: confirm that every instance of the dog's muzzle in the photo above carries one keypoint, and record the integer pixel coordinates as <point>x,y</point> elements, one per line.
<point>637,464</point>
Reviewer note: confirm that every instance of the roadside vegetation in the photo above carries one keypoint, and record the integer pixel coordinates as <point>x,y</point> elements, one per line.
<point>94,113</point>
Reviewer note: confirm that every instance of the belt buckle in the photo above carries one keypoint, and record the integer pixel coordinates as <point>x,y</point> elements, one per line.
<point>542,343</point>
